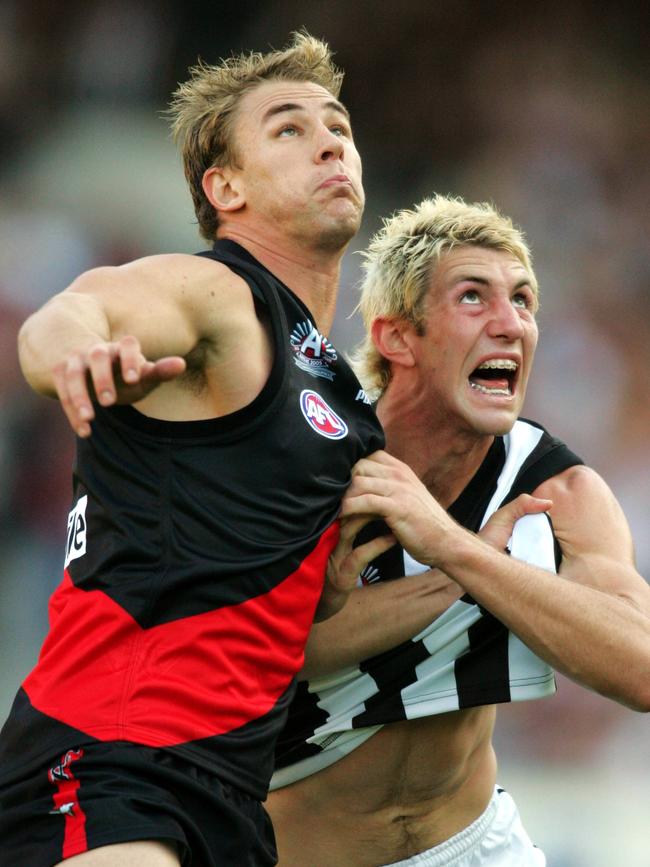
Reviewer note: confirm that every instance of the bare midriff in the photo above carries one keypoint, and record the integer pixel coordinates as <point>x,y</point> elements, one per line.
<point>409,787</point>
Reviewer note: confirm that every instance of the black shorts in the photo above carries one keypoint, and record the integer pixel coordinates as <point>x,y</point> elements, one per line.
<point>106,793</point>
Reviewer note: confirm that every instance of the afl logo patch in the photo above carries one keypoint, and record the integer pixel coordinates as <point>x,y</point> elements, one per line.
<point>322,417</point>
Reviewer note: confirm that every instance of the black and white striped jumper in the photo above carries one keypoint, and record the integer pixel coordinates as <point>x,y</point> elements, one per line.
<point>465,658</point>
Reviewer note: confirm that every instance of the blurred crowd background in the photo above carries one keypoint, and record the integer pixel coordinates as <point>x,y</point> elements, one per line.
<point>543,109</point>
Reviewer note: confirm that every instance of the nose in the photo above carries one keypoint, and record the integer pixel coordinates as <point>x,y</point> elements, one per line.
<point>329,146</point>
<point>505,321</point>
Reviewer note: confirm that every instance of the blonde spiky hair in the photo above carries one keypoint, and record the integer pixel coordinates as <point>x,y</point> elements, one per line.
<point>203,108</point>
<point>401,257</point>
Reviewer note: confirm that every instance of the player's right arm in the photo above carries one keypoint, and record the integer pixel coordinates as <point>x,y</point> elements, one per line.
<point>371,620</point>
<point>116,333</point>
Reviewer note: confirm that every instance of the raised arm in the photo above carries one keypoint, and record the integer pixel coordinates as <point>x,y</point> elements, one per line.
<point>592,621</point>
<point>116,333</point>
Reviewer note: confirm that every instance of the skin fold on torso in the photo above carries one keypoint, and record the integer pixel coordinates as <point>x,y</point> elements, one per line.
<point>409,787</point>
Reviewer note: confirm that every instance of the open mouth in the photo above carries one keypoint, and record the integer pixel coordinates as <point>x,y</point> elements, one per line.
<point>495,377</point>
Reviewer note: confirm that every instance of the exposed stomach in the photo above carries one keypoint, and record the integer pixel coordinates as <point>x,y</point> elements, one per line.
<point>409,787</point>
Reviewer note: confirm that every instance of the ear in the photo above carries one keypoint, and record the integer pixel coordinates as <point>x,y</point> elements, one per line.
<point>393,339</point>
<point>223,189</point>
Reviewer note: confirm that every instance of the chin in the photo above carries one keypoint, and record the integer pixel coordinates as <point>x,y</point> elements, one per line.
<point>489,416</point>
<point>501,430</point>
<point>337,234</point>
<point>498,424</point>
<point>493,422</point>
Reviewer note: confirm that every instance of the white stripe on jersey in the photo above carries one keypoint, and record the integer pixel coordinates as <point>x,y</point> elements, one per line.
<point>519,443</point>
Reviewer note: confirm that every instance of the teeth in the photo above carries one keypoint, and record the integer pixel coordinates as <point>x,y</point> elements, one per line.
<point>498,364</point>
<point>485,390</point>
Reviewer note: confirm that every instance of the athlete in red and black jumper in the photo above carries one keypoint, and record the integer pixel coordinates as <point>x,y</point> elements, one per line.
<point>205,513</point>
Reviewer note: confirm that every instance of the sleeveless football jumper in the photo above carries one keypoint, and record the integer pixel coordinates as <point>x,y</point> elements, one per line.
<point>465,658</point>
<point>195,559</point>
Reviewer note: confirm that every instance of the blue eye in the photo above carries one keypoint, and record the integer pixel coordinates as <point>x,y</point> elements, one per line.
<point>471,296</point>
<point>288,131</point>
<point>521,300</point>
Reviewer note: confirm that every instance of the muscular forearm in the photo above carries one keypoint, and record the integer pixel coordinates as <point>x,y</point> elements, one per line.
<point>377,618</point>
<point>383,615</point>
<point>69,322</point>
<point>596,638</point>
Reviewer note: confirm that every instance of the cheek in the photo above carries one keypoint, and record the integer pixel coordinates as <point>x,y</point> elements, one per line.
<point>443,363</point>
<point>273,186</point>
<point>531,340</point>
<point>356,167</point>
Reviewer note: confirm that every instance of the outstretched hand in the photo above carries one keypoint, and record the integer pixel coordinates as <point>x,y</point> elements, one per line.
<point>110,372</point>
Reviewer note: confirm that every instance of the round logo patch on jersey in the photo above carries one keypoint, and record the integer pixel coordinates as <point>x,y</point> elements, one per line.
<point>321,417</point>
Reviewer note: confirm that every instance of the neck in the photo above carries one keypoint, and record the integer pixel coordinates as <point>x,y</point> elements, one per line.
<point>442,454</point>
<point>311,274</point>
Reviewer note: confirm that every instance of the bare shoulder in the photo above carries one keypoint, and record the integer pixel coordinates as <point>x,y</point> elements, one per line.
<point>168,271</point>
<point>178,266</point>
<point>576,486</point>
<point>593,533</point>
<point>207,295</point>
<point>180,272</point>
<point>585,509</point>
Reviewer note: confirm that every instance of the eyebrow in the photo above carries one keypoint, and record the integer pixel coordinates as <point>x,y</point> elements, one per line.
<point>333,104</point>
<point>525,281</point>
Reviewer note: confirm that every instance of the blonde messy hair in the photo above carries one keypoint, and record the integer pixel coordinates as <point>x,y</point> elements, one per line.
<point>401,257</point>
<point>203,109</point>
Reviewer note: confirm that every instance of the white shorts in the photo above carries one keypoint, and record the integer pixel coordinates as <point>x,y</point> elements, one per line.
<point>496,839</point>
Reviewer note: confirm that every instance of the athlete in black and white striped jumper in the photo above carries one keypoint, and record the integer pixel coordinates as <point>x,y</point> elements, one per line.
<point>387,757</point>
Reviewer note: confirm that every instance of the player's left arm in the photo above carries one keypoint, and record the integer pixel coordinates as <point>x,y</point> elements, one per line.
<point>594,535</point>
<point>598,555</point>
<point>592,621</point>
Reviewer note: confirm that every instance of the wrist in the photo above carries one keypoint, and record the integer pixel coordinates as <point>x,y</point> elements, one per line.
<point>462,550</point>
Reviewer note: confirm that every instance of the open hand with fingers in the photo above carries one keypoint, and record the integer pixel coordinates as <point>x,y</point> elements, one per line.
<point>384,487</point>
<point>390,488</point>
<point>109,372</point>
